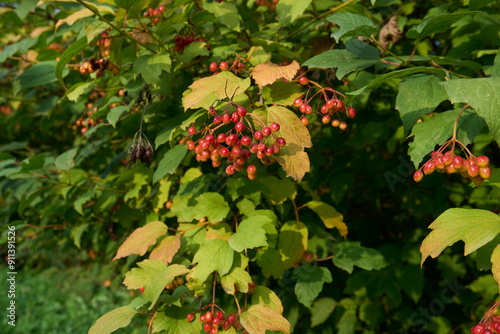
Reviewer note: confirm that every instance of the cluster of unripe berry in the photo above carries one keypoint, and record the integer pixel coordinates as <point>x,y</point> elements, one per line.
<point>237,66</point>
<point>211,321</point>
<point>475,168</point>
<point>271,4</point>
<point>155,14</point>
<point>233,144</point>
<point>104,43</point>
<point>330,111</point>
<point>182,42</point>
<point>90,109</point>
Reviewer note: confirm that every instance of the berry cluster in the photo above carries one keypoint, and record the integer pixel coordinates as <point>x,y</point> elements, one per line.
<point>330,111</point>
<point>269,4</point>
<point>104,44</point>
<point>211,322</point>
<point>182,42</point>
<point>140,149</point>
<point>237,66</point>
<point>99,66</point>
<point>234,144</point>
<point>489,324</point>
<point>475,168</point>
<point>155,14</point>
<point>90,110</point>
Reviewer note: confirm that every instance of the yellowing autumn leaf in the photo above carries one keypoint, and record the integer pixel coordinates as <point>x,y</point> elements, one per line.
<point>329,215</point>
<point>473,226</point>
<point>203,92</point>
<point>143,237</point>
<point>259,318</point>
<point>267,73</point>
<point>495,268</point>
<point>166,250</point>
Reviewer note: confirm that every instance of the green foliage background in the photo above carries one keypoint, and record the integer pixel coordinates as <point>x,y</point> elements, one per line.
<point>69,231</point>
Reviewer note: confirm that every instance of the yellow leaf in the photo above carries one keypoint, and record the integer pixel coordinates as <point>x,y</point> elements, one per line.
<point>495,268</point>
<point>267,73</point>
<point>166,250</point>
<point>143,237</point>
<point>329,215</point>
<point>259,318</point>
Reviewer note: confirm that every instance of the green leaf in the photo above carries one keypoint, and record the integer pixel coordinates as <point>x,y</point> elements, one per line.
<point>495,261</point>
<point>111,321</point>
<point>125,4</point>
<point>69,53</point>
<point>171,160</point>
<point>348,254</point>
<point>33,163</point>
<point>379,80</point>
<point>292,158</point>
<point>482,94</point>
<point>143,237</point>
<point>473,226</point>
<point>282,93</point>
<point>82,199</point>
<point>269,259</point>
<point>438,129</point>
<point>212,206</point>
<point>279,189</point>
<point>495,70</point>
<point>225,12</point>
<point>436,24</point>
<point>193,50</point>
<point>76,234</point>
<point>214,255</point>
<point>77,90</point>
<point>329,215</point>
<point>259,318</point>
<point>410,279</point>
<point>250,234</point>
<point>321,310</point>
<point>418,95</point>
<point>153,275</point>
<point>292,242</point>
<point>267,297</point>
<point>38,75</point>
<point>172,320</point>
<point>203,92</point>
<point>22,47</point>
<point>310,280</point>
<point>258,55</point>
<point>66,160</point>
<point>24,8</point>
<point>289,10</point>
<point>356,56</point>
<point>114,114</point>
<point>93,27</point>
<point>150,67</point>
<point>236,277</point>
<point>351,25</point>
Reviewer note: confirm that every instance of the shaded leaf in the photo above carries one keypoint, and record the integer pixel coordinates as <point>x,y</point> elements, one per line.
<point>351,24</point>
<point>259,318</point>
<point>279,189</point>
<point>329,215</point>
<point>236,277</point>
<point>473,226</point>
<point>150,67</point>
<point>166,250</point>
<point>289,10</point>
<point>356,56</point>
<point>436,24</point>
<point>66,160</point>
<point>321,310</point>
<point>113,320</point>
<point>269,259</point>
<point>348,254</point>
<point>21,47</point>
<point>38,75</point>
<point>268,73</point>
<point>225,12</point>
<point>171,160</point>
<point>292,242</point>
<point>65,58</point>
<point>93,27</point>
<point>282,93</point>
<point>267,297</point>
<point>172,320</point>
<point>143,237</point>
<point>310,280</point>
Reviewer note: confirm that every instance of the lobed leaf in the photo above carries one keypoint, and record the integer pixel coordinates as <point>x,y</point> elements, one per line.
<point>67,55</point>
<point>348,254</point>
<point>289,10</point>
<point>143,237</point>
<point>212,206</point>
<point>310,280</point>
<point>329,215</point>
<point>214,255</point>
<point>113,320</point>
<point>259,318</point>
<point>351,24</point>
<point>436,24</point>
<point>495,268</point>
<point>265,296</point>
<point>268,73</point>
<point>321,310</point>
<point>250,233</point>
<point>292,242</point>
<point>166,250</point>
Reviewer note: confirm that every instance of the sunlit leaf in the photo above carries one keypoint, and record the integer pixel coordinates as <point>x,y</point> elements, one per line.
<point>259,318</point>
<point>113,320</point>
<point>268,73</point>
<point>143,237</point>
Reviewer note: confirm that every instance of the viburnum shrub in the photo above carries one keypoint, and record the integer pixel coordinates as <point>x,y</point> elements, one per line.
<point>191,149</point>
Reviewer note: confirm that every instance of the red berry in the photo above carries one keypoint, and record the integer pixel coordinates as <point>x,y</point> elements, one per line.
<point>429,167</point>
<point>418,176</point>
<point>465,166</point>
<point>303,107</point>
<point>298,102</point>
<point>239,127</point>
<point>223,66</point>
<point>351,112</point>
<point>304,121</point>
<point>309,109</point>
<point>207,326</point>
<point>343,126</point>
<point>280,142</point>
<point>478,329</point>
<point>258,135</point>
<point>202,318</point>
<point>226,325</point>
<point>241,111</point>
<point>457,162</point>
<point>338,105</point>
<point>253,148</point>
<point>447,159</point>
<point>226,119</point>
<point>438,162</point>
<point>212,111</point>
<point>261,147</point>
<point>213,67</point>
<point>224,152</point>
<point>230,170</point>
<point>274,127</point>
<point>192,130</point>
<point>221,138</point>
<point>266,131</point>
<point>231,318</point>
<point>303,81</point>
<point>190,317</point>
<point>237,166</point>
<point>246,141</point>
<point>485,172</point>
<point>231,139</point>
<point>329,104</point>
<point>217,120</point>
<point>219,314</point>
<point>251,169</point>
<point>324,109</point>
<point>208,316</point>
<point>473,170</point>
<point>235,117</point>
<point>482,161</point>
<point>141,289</point>
<point>487,331</point>
<point>326,119</point>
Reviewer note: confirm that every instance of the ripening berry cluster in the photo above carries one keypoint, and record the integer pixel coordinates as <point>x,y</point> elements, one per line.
<point>237,66</point>
<point>104,43</point>
<point>155,14</point>
<point>90,121</point>
<point>99,66</point>
<point>212,322</point>
<point>234,145</point>
<point>489,325</point>
<point>182,42</point>
<point>271,4</point>
<point>330,111</point>
<point>475,168</point>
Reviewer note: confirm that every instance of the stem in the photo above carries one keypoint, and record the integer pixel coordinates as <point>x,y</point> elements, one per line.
<point>454,138</point>
<point>123,33</point>
<point>388,51</point>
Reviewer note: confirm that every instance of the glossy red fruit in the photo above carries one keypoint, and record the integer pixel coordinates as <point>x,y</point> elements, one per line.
<point>251,169</point>
<point>298,102</point>
<point>190,317</point>
<point>246,141</point>
<point>202,318</point>
<point>303,81</point>
<point>192,130</point>
<point>230,170</point>
<point>223,66</point>
<point>239,127</point>
<point>226,119</point>
<point>447,159</point>
<point>482,161</point>
<point>280,142</point>
<point>235,117</point>
<point>465,166</point>
<point>335,123</point>
<point>326,119</point>
<point>351,112</point>
<point>223,151</point>
<point>207,326</point>
<point>231,318</point>
<point>214,67</point>
<point>438,161</point>
<point>343,126</point>
<point>266,131</point>
<point>429,167</point>
<point>457,162</point>
<point>258,135</point>
<point>303,107</point>
<point>309,109</point>
<point>418,176</point>
<point>221,138</point>
<point>304,121</point>
<point>226,325</point>
<point>338,105</point>
<point>219,315</point>
<point>485,172</point>
<point>217,120</point>
<point>141,289</point>
<point>241,111</point>
<point>324,109</point>
<point>478,329</point>
<point>473,170</point>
